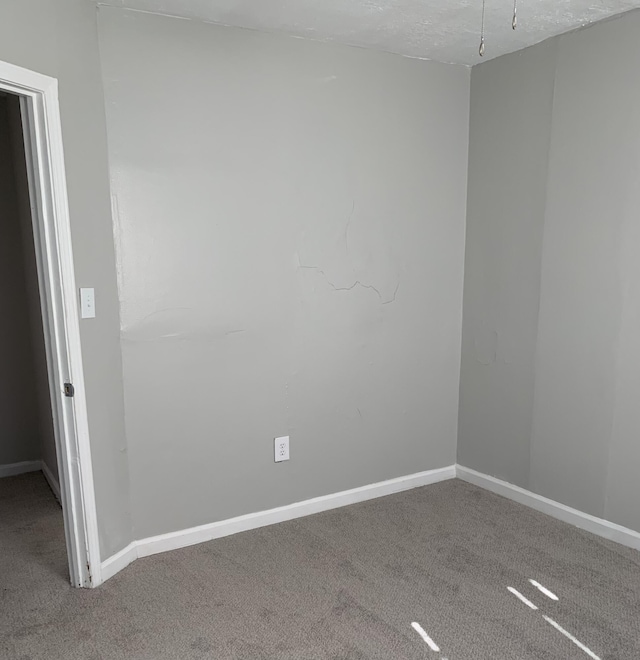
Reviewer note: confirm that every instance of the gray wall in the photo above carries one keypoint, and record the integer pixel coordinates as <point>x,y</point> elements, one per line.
<point>19,419</point>
<point>508,149</point>
<point>59,39</point>
<point>563,270</point>
<point>289,221</point>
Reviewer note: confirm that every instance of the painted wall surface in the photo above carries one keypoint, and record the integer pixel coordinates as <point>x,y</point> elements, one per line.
<point>582,412</point>
<point>585,436</point>
<point>510,121</point>
<point>289,221</point>
<point>41,411</point>
<point>60,39</point>
<point>19,422</point>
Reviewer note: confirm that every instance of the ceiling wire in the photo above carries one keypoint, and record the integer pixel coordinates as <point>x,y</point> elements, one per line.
<point>481,49</point>
<point>514,24</point>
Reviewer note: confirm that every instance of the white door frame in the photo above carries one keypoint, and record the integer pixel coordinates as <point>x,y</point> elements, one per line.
<point>56,279</point>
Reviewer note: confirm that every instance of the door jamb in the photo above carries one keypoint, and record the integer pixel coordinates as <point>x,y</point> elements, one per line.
<point>59,306</point>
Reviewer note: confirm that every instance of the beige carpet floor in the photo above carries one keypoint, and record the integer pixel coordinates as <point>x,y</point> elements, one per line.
<point>345,584</point>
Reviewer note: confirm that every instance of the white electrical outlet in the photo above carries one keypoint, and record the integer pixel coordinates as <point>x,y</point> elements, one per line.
<point>281,449</point>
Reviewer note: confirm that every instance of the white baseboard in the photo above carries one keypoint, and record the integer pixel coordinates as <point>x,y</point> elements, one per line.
<point>598,526</point>
<point>183,538</point>
<point>51,480</point>
<point>186,537</point>
<point>117,562</point>
<point>13,469</point>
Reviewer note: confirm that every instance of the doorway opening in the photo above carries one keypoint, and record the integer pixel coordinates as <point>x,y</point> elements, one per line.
<point>43,414</point>
<point>28,458</point>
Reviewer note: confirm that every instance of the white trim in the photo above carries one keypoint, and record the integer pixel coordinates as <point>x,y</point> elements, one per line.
<point>51,480</point>
<point>186,537</point>
<point>52,234</point>
<point>13,469</point>
<point>183,538</point>
<point>598,526</point>
<point>120,560</point>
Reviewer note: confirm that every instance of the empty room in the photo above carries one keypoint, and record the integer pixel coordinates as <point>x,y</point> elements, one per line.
<point>321,330</point>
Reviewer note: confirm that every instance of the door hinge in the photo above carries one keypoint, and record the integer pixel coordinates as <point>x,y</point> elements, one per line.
<point>69,390</point>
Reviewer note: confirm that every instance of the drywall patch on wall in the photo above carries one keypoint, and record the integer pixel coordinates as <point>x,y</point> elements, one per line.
<point>352,263</point>
<point>370,261</point>
<point>485,345</point>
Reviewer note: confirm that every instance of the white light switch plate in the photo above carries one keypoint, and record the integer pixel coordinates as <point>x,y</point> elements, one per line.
<point>87,304</point>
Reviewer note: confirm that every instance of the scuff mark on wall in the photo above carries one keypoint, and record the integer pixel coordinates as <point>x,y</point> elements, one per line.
<point>119,243</point>
<point>181,324</point>
<point>485,345</point>
<point>144,319</point>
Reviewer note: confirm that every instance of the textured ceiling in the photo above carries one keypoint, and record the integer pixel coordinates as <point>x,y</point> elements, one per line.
<point>444,30</point>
